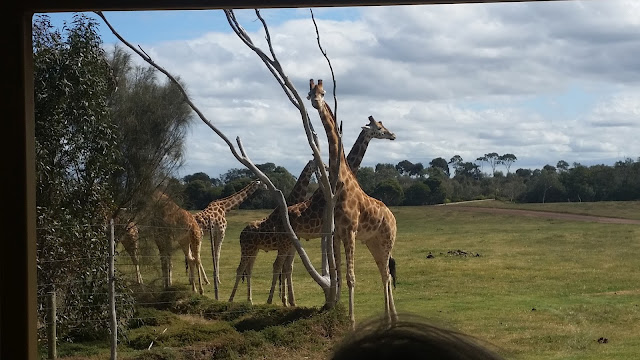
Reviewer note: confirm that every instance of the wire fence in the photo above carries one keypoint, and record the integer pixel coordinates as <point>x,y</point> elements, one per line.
<point>148,258</point>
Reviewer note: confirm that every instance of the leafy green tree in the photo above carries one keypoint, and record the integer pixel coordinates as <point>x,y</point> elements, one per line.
<point>514,187</point>
<point>507,160</point>
<point>440,163</point>
<point>386,172</point>
<point>199,193</point>
<point>367,179</point>
<point>455,162</point>
<point>197,176</point>
<point>577,182</point>
<point>417,194</point>
<point>281,179</point>
<point>152,119</point>
<point>439,189</point>
<point>235,174</point>
<point>236,179</point>
<point>468,170</point>
<point>628,180</point>
<point>603,182</point>
<point>417,170</point>
<point>545,186</point>
<point>389,192</point>
<point>77,152</point>
<point>524,173</point>
<point>562,165</point>
<point>404,167</point>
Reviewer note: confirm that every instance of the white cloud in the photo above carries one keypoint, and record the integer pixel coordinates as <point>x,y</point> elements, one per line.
<point>447,79</point>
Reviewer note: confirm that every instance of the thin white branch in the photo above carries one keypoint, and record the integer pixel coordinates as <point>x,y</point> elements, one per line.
<point>242,158</point>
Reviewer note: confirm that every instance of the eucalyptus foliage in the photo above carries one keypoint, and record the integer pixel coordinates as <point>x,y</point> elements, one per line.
<point>76,154</point>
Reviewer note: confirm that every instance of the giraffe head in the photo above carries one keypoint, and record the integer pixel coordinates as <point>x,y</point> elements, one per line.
<point>316,93</point>
<point>376,130</point>
<point>261,185</point>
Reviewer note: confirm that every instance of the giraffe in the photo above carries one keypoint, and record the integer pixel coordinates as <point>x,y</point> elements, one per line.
<point>213,218</point>
<point>357,215</point>
<point>305,218</point>
<point>183,229</point>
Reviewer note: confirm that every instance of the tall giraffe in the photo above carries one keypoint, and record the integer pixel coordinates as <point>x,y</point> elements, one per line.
<point>178,225</point>
<point>305,218</point>
<point>357,215</point>
<point>214,218</point>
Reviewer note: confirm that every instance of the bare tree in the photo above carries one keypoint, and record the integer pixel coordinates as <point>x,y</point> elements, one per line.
<point>327,184</point>
<point>327,283</point>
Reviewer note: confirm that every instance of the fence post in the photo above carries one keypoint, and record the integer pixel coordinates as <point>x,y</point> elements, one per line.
<point>215,264</point>
<point>52,338</point>
<point>112,299</point>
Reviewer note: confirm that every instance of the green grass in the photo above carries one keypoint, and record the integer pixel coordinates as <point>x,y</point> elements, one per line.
<point>540,289</point>
<point>191,326</point>
<point>616,209</point>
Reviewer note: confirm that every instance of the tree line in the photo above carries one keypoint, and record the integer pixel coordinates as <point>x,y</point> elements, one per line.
<point>442,181</point>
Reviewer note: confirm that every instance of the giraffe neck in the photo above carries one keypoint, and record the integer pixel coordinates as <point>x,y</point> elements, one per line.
<point>354,159</point>
<point>233,200</point>
<point>299,191</point>
<point>337,161</point>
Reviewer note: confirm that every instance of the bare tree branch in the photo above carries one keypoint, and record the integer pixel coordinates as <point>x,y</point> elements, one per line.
<point>327,186</point>
<point>276,70</point>
<point>242,158</point>
<point>333,77</point>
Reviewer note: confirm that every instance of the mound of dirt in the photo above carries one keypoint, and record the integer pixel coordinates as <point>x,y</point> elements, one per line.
<point>462,253</point>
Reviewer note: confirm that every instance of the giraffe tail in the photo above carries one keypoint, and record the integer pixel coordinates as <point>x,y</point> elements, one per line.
<point>392,270</point>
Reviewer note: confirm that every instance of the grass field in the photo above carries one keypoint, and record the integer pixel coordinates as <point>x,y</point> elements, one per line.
<point>538,289</point>
<point>616,209</point>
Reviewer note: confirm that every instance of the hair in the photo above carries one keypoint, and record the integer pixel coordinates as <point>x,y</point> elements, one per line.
<point>410,338</point>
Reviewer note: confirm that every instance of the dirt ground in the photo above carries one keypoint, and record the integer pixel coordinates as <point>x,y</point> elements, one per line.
<point>545,214</point>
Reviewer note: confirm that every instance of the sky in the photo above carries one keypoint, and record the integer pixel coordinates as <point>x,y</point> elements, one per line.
<point>544,81</point>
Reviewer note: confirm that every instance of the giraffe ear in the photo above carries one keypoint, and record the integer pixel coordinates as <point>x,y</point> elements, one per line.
<point>321,87</point>
<point>311,85</point>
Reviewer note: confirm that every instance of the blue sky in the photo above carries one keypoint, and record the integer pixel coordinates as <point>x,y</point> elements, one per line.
<point>545,81</point>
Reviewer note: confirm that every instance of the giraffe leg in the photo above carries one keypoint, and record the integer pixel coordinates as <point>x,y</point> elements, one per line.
<point>165,271</point>
<point>168,266</point>
<point>241,267</point>
<point>277,275</point>
<point>195,246</point>
<point>220,239</point>
<point>248,272</point>
<point>185,244</point>
<point>382,261</point>
<point>349,251</point>
<point>214,247</point>
<point>131,246</point>
<point>288,271</point>
<point>337,254</point>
